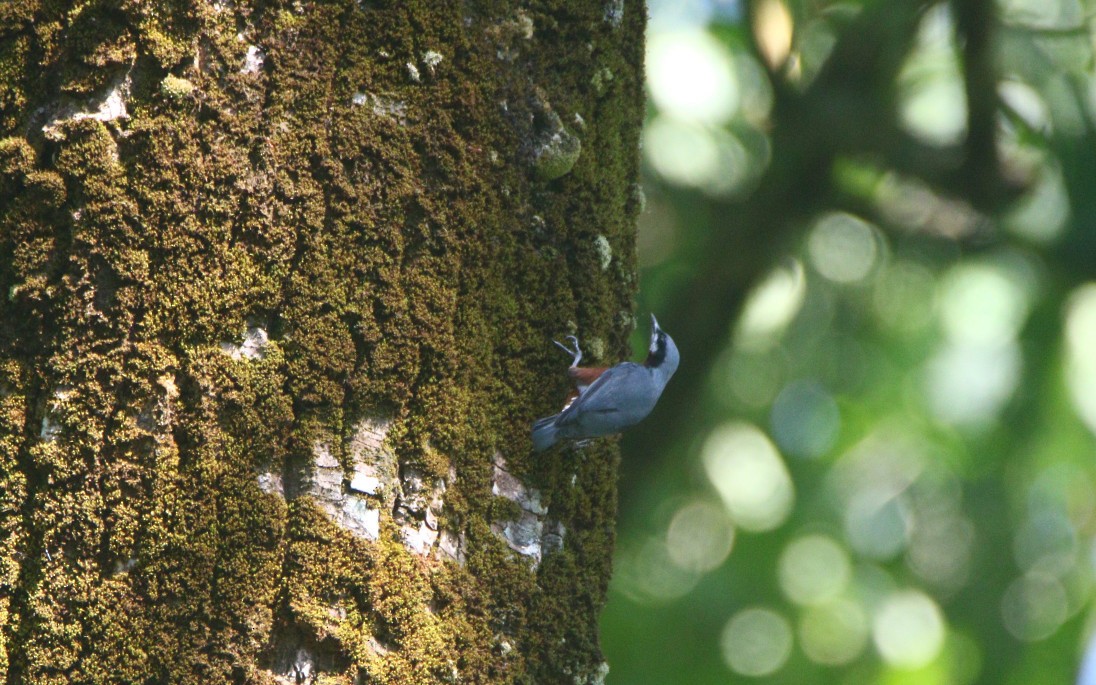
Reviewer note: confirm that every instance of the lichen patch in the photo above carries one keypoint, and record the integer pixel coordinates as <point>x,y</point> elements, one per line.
<point>252,347</point>
<point>432,58</point>
<point>58,406</point>
<point>271,483</point>
<point>604,252</point>
<point>253,60</point>
<point>390,108</point>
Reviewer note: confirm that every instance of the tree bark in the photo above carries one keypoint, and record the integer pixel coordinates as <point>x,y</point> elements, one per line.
<point>276,283</point>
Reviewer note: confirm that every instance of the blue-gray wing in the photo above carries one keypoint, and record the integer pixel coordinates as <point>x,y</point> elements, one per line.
<point>599,398</point>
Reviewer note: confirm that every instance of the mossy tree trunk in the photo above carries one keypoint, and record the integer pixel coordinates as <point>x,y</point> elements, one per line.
<point>277,283</point>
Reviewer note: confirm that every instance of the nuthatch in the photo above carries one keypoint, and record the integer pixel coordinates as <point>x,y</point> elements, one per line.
<point>608,400</point>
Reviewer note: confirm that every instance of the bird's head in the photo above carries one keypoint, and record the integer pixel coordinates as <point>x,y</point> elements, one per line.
<point>662,354</point>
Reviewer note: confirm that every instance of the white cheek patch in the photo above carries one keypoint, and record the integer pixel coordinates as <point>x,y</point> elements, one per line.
<point>657,342</point>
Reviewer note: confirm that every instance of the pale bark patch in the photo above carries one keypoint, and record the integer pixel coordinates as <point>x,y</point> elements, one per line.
<point>107,106</point>
<point>532,534</point>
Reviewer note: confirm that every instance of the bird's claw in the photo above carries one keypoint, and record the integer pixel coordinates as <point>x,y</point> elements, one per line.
<point>576,353</point>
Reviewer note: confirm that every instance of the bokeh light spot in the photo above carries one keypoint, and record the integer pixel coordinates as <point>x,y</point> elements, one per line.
<point>805,419</point>
<point>877,523</point>
<point>968,384</point>
<point>691,76</point>
<point>905,297</point>
<point>872,586</point>
<point>756,642</point>
<point>690,154</point>
<point>649,575</point>
<point>833,633</point>
<point>1034,607</point>
<point>1046,539</point>
<point>933,103</point>
<point>843,248</point>
<point>1041,14</point>
<point>666,15</point>
<point>1025,102</point>
<point>983,305</point>
<point>909,629</point>
<point>754,379</point>
<point>681,153</point>
<point>772,26</point>
<point>940,547</point>
<point>1041,215</point>
<point>872,482</point>
<point>813,569</point>
<point>700,536</point>
<point>749,475</point>
<point>1081,359</point>
<point>770,307</point>
<point>755,88</point>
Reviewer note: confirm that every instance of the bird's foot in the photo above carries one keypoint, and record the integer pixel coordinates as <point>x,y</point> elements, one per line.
<point>576,354</point>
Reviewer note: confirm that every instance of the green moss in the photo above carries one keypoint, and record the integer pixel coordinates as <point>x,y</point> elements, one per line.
<point>411,268</point>
<point>16,161</point>
<point>13,414</point>
<point>97,46</point>
<point>13,97</point>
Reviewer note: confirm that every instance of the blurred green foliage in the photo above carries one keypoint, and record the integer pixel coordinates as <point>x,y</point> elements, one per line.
<point>869,226</point>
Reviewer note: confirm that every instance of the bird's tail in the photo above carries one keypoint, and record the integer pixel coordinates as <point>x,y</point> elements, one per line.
<point>545,433</point>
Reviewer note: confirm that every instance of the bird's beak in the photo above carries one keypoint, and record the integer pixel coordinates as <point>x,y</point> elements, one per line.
<point>654,323</point>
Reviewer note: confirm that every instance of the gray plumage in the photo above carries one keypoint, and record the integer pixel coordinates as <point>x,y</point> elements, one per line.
<point>620,397</point>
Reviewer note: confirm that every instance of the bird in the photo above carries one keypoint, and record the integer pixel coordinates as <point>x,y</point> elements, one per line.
<point>606,400</point>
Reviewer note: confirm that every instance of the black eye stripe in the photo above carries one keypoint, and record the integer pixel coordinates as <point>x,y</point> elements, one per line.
<point>658,354</point>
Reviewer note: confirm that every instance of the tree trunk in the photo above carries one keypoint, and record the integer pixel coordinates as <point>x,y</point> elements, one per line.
<point>278,281</point>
